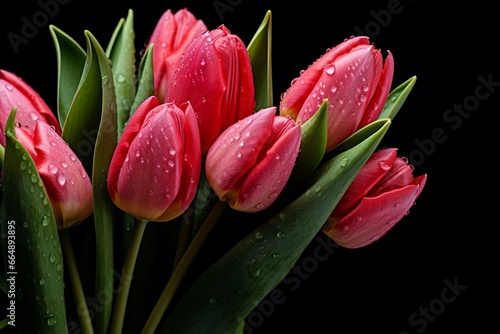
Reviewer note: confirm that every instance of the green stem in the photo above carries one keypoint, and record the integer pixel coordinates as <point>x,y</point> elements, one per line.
<point>183,241</point>
<point>182,268</point>
<point>127,275</point>
<point>76,284</point>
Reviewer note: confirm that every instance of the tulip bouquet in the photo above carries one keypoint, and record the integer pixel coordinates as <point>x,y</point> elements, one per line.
<point>168,193</point>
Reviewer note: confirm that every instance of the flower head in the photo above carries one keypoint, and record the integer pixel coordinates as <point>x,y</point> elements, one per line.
<point>215,76</point>
<point>251,161</point>
<point>171,37</point>
<point>379,197</point>
<point>155,169</point>
<point>31,108</point>
<point>354,79</point>
<point>64,178</point>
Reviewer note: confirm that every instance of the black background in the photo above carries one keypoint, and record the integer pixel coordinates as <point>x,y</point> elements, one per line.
<point>449,235</point>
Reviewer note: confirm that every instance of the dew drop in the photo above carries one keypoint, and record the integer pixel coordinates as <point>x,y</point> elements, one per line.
<point>212,301</point>
<point>51,321</point>
<point>330,69</point>
<point>120,78</point>
<point>280,235</point>
<point>258,236</point>
<point>42,281</point>
<point>45,220</point>
<point>344,162</point>
<point>52,258</point>
<point>53,169</point>
<point>61,179</point>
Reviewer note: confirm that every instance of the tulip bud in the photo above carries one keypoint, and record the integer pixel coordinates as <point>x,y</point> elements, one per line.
<point>250,162</point>
<point>355,81</point>
<point>155,169</point>
<point>171,37</point>
<point>15,92</point>
<point>215,76</point>
<point>378,197</point>
<point>65,180</point>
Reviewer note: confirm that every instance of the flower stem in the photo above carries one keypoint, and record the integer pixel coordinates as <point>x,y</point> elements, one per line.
<point>76,284</point>
<point>126,278</point>
<point>182,268</point>
<point>183,241</point>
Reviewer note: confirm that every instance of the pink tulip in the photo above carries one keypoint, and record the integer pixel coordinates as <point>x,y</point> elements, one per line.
<point>355,81</point>
<point>380,196</point>
<point>171,37</point>
<point>15,92</point>
<point>250,162</point>
<point>64,178</point>
<point>156,166</point>
<point>215,75</point>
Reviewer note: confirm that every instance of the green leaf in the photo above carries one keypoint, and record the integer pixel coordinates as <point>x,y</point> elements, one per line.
<point>32,248</point>
<point>82,122</point>
<point>145,86</point>
<point>70,63</point>
<point>312,144</point>
<point>121,51</point>
<point>396,98</point>
<point>259,50</point>
<point>222,297</point>
<point>105,211</point>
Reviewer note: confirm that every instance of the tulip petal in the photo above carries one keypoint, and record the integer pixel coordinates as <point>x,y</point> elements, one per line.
<point>266,180</point>
<point>349,84</point>
<point>298,92</point>
<point>150,176</point>
<point>239,146</point>
<point>191,166</point>
<point>129,133</point>
<point>373,217</point>
<point>66,181</point>
<point>30,106</point>
<point>172,35</point>
<point>370,175</point>
<point>382,92</point>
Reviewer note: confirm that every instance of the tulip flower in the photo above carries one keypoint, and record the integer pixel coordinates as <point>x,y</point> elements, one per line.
<point>171,36</point>
<point>354,79</point>
<point>15,92</point>
<point>215,76</point>
<point>250,162</point>
<point>156,166</point>
<point>379,197</point>
<point>65,180</point>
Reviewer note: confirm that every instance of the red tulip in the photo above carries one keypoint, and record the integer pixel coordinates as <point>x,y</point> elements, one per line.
<point>379,197</point>
<point>250,162</point>
<point>355,81</point>
<point>15,92</point>
<point>64,178</point>
<point>171,37</point>
<point>156,166</point>
<point>215,75</point>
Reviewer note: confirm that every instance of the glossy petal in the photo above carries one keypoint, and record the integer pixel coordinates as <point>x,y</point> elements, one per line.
<point>240,144</point>
<point>66,182</point>
<point>374,217</point>
<point>15,92</point>
<point>375,169</point>
<point>293,99</point>
<point>215,76</point>
<point>271,174</point>
<point>250,162</point>
<point>155,169</point>
<point>172,35</point>
<point>353,78</point>
<point>380,195</point>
